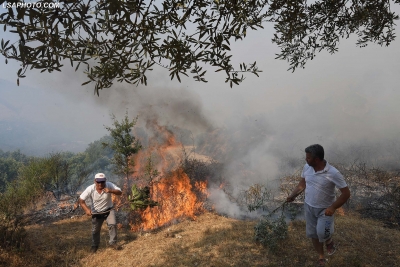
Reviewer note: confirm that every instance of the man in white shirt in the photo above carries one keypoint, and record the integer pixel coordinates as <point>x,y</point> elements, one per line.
<point>319,180</point>
<point>102,209</point>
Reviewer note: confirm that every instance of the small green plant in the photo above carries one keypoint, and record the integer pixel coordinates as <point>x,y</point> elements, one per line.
<point>270,229</point>
<point>269,232</point>
<point>124,144</point>
<point>255,197</point>
<point>292,210</point>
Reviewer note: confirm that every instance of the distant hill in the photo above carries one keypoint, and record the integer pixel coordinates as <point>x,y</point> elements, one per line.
<point>38,121</point>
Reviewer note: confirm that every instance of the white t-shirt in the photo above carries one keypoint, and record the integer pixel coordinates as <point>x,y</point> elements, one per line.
<point>100,202</point>
<point>320,186</point>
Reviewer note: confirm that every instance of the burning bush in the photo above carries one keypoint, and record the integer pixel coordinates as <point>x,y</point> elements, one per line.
<point>176,183</point>
<point>176,198</point>
<point>139,199</point>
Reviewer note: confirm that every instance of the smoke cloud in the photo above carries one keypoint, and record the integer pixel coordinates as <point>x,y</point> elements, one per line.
<point>347,102</point>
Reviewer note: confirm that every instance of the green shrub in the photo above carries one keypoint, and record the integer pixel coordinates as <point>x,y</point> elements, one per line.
<point>269,232</point>
<point>19,195</point>
<point>12,233</point>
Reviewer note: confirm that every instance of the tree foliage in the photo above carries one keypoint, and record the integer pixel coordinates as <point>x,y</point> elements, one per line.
<point>255,197</point>
<point>25,180</point>
<point>8,171</point>
<point>10,163</point>
<point>124,145</point>
<point>123,40</point>
<point>98,157</point>
<point>139,199</point>
<point>270,232</point>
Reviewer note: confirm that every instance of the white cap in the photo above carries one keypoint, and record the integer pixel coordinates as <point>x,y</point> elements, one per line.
<point>100,177</point>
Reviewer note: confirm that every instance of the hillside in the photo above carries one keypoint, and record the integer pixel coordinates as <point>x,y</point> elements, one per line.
<point>210,240</point>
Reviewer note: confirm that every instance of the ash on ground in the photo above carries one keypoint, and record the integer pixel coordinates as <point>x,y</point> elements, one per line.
<point>51,210</point>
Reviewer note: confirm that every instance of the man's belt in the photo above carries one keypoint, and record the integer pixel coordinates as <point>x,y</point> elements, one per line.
<point>102,214</point>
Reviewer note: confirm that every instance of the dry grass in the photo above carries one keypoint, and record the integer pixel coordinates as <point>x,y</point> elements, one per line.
<point>210,240</point>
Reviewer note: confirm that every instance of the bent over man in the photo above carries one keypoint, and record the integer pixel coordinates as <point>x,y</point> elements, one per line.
<point>319,180</point>
<point>102,209</point>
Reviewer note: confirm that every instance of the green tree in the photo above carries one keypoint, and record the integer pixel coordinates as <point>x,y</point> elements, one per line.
<point>122,40</point>
<point>16,155</point>
<point>61,173</point>
<point>26,189</point>
<point>19,195</point>
<point>58,174</point>
<point>98,156</point>
<point>124,145</point>
<point>8,171</point>
<point>10,163</point>
<point>80,172</point>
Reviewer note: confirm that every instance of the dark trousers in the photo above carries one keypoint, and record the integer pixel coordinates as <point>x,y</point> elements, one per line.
<point>97,222</point>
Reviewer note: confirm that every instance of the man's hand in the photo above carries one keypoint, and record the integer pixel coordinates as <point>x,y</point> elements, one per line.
<point>85,207</point>
<point>290,199</point>
<point>330,211</point>
<point>297,190</point>
<point>107,190</point>
<point>344,196</point>
<point>112,191</point>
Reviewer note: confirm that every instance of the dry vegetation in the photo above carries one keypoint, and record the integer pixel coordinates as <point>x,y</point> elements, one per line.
<point>365,238</point>
<point>210,240</point>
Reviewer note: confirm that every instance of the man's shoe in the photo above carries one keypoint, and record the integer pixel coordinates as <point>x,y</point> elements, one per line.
<point>330,248</point>
<point>93,249</point>
<point>115,247</point>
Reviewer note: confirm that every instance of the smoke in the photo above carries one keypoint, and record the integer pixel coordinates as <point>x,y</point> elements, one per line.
<point>178,107</point>
<point>224,205</point>
<point>347,102</point>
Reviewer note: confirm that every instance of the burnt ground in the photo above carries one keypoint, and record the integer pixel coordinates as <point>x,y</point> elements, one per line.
<point>52,210</point>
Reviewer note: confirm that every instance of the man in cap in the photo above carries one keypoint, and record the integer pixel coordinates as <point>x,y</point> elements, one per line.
<point>102,209</point>
<point>319,180</point>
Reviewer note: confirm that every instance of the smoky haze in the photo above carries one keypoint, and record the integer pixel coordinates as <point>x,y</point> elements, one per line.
<point>347,102</point>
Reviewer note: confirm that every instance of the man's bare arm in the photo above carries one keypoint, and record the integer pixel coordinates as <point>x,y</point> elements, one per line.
<point>297,190</point>
<point>112,191</point>
<point>344,196</point>
<point>85,207</point>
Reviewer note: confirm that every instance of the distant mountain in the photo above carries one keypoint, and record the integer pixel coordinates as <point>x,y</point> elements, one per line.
<point>37,122</point>
<point>35,138</point>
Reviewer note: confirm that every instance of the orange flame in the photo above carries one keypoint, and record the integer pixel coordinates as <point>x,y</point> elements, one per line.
<point>177,197</point>
<point>222,185</point>
<point>164,146</point>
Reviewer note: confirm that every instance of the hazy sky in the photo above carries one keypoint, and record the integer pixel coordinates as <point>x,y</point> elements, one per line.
<point>348,102</point>
<point>350,95</point>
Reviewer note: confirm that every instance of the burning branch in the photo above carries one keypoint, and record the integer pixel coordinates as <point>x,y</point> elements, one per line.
<point>140,198</point>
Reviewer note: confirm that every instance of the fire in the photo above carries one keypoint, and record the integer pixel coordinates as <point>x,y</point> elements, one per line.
<point>222,185</point>
<point>177,199</point>
<point>201,186</point>
<point>163,148</point>
<point>176,195</point>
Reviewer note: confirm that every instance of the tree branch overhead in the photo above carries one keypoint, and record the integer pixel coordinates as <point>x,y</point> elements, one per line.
<point>120,41</point>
